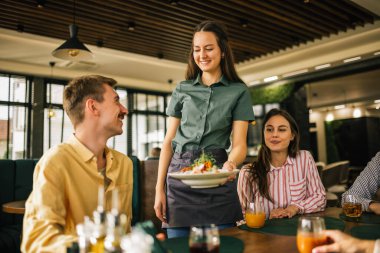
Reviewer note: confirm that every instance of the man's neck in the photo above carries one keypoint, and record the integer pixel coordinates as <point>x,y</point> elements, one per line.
<point>95,143</point>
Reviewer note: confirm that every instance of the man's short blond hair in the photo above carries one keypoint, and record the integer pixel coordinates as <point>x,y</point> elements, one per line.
<point>81,88</point>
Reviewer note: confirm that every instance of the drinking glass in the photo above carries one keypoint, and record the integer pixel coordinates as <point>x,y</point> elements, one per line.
<point>310,233</point>
<point>351,206</point>
<point>255,215</point>
<point>204,239</point>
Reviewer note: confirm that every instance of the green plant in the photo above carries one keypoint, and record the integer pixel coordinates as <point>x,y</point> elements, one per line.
<point>274,93</point>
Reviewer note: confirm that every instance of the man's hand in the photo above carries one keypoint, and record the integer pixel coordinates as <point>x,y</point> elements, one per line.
<point>374,207</point>
<point>344,243</point>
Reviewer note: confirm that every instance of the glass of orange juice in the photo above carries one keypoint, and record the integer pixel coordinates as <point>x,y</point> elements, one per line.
<point>310,233</point>
<point>255,215</point>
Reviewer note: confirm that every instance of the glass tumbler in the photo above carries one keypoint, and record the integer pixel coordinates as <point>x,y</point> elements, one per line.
<point>204,239</point>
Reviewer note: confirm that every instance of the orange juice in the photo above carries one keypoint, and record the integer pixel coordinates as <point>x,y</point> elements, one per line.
<point>307,241</point>
<point>255,220</point>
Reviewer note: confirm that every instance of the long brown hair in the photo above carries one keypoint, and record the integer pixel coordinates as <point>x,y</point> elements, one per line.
<point>226,63</point>
<point>260,168</point>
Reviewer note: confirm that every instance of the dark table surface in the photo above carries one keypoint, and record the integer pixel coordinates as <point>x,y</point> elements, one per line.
<point>260,242</point>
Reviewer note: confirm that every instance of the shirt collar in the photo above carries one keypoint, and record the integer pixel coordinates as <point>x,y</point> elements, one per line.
<point>223,80</point>
<point>289,161</point>
<point>83,151</point>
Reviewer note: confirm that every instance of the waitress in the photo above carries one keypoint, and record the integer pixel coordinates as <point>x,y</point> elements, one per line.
<point>204,110</point>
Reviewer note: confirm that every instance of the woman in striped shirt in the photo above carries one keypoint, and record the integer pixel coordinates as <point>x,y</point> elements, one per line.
<point>284,179</point>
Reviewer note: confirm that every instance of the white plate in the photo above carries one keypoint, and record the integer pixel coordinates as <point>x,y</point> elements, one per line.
<point>205,180</point>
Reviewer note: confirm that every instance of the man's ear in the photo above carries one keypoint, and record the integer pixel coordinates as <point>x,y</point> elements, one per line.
<point>91,106</point>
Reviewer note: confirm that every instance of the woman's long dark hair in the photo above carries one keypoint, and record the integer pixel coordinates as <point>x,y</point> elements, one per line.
<point>226,63</point>
<point>260,168</point>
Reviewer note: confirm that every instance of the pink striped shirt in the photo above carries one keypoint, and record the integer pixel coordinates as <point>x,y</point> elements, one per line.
<point>297,183</point>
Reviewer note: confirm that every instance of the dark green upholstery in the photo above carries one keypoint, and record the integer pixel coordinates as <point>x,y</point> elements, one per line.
<point>136,194</point>
<point>24,178</point>
<point>23,182</point>
<point>7,179</point>
<point>16,183</point>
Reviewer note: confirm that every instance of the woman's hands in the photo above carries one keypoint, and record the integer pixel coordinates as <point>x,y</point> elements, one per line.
<point>289,212</point>
<point>230,166</point>
<point>160,204</point>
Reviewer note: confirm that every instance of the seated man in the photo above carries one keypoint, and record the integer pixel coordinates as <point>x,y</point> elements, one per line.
<point>154,154</point>
<point>366,185</point>
<point>67,177</point>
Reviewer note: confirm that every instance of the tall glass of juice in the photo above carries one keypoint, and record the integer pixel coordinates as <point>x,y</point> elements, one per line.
<point>310,233</point>
<point>255,215</point>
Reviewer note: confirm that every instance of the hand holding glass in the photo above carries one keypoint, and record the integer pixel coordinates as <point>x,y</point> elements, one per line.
<point>351,206</point>
<point>254,215</point>
<point>204,239</point>
<point>310,233</point>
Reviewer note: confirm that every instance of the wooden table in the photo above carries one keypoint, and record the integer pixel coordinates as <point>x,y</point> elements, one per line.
<point>259,242</point>
<point>15,207</point>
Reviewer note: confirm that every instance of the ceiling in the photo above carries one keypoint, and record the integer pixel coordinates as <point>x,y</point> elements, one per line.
<point>155,50</point>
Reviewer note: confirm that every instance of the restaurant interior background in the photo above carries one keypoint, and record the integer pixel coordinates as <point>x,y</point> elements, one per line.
<point>318,59</point>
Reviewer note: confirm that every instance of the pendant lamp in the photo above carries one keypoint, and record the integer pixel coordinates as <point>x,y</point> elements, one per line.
<point>72,49</point>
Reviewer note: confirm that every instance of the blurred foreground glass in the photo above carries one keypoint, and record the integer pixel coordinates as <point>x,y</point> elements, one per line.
<point>204,239</point>
<point>351,206</point>
<point>310,233</point>
<point>255,215</point>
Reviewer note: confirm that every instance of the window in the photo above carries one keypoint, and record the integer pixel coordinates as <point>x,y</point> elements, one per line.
<point>14,114</point>
<point>57,125</point>
<point>147,121</point>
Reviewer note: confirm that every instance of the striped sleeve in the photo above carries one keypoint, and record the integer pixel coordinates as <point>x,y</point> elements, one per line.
<point>315,196</point>
<point>244,188</point>
<point>367,183</point>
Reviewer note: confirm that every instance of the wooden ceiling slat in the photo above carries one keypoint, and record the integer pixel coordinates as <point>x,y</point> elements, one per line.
<point>306,11</point>
<point>340,21</point>
<point>190,8</point>
<point>353,11</point>
<point>259,22</point>
<point>279,10</point>
<point>139,39</point>
<point>330,10</point>
<point>160,27</point>
<point>168,22</point>
<point>87,28</point>
<point>281,20</point>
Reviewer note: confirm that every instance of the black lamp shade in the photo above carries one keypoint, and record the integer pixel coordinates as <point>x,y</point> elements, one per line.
<point>72,49</point>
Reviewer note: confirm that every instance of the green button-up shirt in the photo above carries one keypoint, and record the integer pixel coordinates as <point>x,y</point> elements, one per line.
<point>207,113</point>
